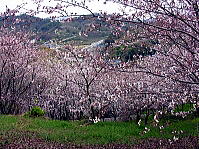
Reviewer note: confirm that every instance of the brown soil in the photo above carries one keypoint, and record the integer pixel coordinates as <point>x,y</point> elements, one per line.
<point>28,141</point>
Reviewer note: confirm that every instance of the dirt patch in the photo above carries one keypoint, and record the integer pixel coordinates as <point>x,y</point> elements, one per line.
<point>25,142</point>
<point>183,143</point>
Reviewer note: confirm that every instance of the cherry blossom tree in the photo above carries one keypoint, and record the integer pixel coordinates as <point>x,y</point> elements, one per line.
<point>17,54</point>
<point>81,69</point>
<point>158,82</point>
<point>173,24</point>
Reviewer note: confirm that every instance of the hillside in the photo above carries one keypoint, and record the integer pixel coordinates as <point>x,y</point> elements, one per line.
<point>47,29</point>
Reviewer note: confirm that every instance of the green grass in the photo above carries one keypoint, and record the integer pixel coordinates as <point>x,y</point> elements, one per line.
<point>7,123</point>
<point>100,133</point>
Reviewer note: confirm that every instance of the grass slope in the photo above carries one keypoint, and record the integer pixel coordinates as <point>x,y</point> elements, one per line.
<point>78,132</point>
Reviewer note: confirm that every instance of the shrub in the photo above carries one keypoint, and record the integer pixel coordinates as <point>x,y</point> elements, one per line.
<point>36,112</point>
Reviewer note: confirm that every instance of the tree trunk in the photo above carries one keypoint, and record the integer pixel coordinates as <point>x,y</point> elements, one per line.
<point>137,116</point>
<point>197,111</point>
<point>182,106</point>
<point>147,117</point>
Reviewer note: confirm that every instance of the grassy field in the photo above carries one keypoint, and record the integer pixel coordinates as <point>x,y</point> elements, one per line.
<point>78,132</point>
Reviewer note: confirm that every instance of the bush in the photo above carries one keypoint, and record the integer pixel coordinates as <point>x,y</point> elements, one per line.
<point>36,112</point>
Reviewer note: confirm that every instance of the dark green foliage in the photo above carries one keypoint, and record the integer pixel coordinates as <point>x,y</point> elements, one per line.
<point>184,107</point>
<point>131,53</point>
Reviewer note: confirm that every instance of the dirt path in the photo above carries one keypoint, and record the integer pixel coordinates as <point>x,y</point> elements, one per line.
<point>26,142</point>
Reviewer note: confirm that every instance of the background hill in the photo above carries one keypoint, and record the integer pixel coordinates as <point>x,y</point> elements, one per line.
<point>76,30</point>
